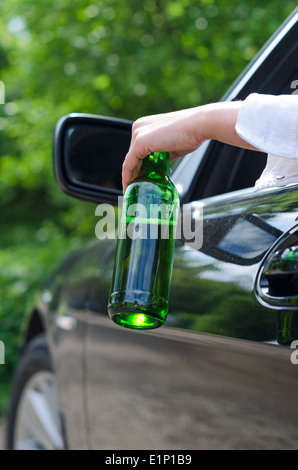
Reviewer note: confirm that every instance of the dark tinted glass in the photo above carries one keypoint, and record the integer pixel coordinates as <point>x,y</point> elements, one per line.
<point>94,155</point>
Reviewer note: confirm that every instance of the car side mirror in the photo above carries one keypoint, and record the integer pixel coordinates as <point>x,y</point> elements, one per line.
<point>88,153</point>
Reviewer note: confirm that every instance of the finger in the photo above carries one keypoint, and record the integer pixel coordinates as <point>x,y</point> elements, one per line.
<point>130,169</point>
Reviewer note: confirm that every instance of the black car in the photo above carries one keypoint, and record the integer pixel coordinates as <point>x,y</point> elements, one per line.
<point>222,372</point>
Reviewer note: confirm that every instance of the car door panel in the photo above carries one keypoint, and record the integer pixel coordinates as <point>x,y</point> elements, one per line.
<point>216,369</point>
<point>175,389</point>
<point>238,230</point>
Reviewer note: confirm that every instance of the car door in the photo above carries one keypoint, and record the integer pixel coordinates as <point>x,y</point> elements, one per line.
<point>219,374</point>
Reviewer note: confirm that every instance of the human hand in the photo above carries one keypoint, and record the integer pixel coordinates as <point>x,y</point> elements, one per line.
<point>174,132</point>
<point>180,133</point>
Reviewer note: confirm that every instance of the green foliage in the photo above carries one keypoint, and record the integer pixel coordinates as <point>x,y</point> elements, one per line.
<point>108,57</point>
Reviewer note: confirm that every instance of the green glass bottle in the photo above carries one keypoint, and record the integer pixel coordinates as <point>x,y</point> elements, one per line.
<point>142,273</point>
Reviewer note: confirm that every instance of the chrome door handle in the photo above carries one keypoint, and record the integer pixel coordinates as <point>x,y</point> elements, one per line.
<point>277,280</point>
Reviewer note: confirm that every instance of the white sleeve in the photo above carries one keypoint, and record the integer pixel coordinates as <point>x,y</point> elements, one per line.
<point>270,123</point>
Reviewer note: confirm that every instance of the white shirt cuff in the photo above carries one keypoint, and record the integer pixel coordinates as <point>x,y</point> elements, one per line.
<point>270,123</point>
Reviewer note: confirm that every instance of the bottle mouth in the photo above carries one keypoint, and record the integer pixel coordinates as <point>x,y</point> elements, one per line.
<point>137,310</point>
<point>136,320</point>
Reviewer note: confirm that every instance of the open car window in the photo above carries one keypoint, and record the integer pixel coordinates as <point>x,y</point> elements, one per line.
<point>223,168</point>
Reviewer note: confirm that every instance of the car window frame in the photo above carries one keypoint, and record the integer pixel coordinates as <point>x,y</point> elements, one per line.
<point>195,172</point>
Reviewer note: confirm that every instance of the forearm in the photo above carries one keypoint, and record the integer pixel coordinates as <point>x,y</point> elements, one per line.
<point>180,133</point>
<point>219,123</point>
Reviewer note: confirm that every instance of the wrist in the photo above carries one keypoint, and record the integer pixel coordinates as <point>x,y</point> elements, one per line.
<point>218,121</point>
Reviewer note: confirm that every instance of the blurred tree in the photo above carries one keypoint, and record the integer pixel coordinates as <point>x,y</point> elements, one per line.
<point>115,58</point>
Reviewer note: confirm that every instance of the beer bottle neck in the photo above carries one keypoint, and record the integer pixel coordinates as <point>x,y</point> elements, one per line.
<point>156,165</point>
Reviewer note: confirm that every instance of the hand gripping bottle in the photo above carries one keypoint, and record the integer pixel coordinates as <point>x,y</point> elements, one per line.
<point>139,295</point>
